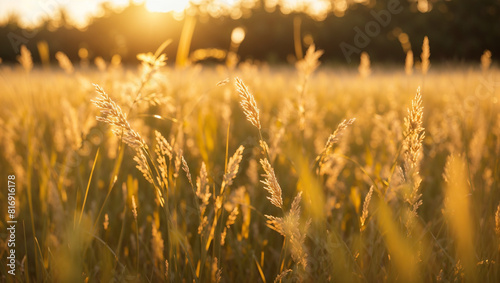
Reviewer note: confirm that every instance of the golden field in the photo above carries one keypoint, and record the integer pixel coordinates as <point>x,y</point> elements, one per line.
<point>252,173</point>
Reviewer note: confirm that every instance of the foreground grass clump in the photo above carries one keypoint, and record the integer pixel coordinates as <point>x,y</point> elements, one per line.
<point>252,174</point>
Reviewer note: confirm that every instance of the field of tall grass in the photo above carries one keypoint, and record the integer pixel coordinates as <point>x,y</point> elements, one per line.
<point>251,173</point>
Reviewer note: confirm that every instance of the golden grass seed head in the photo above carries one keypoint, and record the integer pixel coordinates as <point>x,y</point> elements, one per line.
<point>134,207</point>
<point>292,230</point>
<point>177,162</point>
<point>202,188</point>
<point>424,56</point>
<point>271,184</point>
<point>100,63</point>
<point>310,62</point>
<point>366,203</point>
<point>64,62</point>
<point>414,133</point>
<point>185,167</point>
<point>25,59</point>
<point>105,224</point>
<point>486,60</point>
<point>333,139</point>
<point>295,209</point>
<point>497,221</point>
<point>216,271</point>
<point>282,275</point>
<point>166,269</point>
<point>232,168</point>
<point>409,63</point>
<point>157,244</point>
<point>230,221</point>
<point>364,65</point>
<point>248,103</point>
<point>203,224</point>
<point>223,82</point>
<point>203,193</point>
<point>151,60</point>
<point>275,223</point>
<point>113,115</point>
<point>143,166</point>
<point>163,147</point>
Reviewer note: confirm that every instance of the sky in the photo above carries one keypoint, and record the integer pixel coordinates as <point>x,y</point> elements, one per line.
<point>32,12</point>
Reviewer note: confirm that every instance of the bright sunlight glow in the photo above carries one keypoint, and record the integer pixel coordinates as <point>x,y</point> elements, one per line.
<point>80,12</point>
<point>159,6</point>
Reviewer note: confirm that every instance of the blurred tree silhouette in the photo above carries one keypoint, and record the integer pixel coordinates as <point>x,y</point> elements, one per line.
<point>457,30</point>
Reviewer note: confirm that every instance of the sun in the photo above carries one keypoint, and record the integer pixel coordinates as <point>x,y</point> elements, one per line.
<point>166,6</point>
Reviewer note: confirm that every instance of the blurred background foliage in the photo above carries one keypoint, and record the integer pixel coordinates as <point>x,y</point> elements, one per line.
<point>458,30</point>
